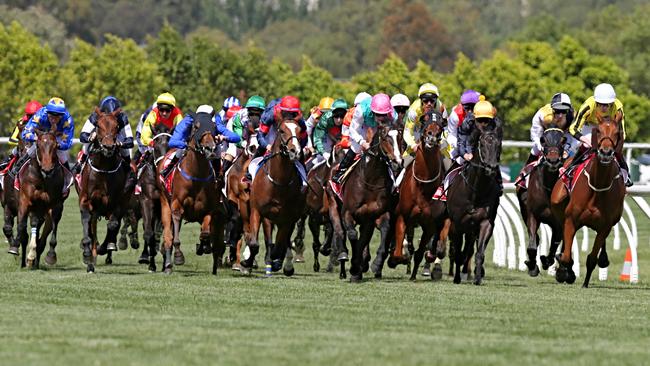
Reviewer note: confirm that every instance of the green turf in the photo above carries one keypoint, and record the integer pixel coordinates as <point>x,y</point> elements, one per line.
<point>123,315</point>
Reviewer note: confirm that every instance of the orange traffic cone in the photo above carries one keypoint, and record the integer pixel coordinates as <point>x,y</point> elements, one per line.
<point>627,266</point>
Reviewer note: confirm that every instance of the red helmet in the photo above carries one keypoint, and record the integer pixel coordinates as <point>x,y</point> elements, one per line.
<point>290,104</point>
<point>30,108</point>
<point>231,111</point>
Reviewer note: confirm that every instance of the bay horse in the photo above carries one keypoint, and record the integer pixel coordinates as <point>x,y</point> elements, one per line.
<point>473,200</point>
<point>535,200</point>
<point>9,200</point>
<point>41,198</point>
<point>277,198</point>
<point>101,189</point>
<point>596,200</point>
<point>149,199</point>
<point>194,196</point>
<point>415,206</point>
<point>367,197</point>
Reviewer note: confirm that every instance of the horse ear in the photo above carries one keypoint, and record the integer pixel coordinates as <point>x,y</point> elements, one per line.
<point>98,111</point>
<point>117,112</point>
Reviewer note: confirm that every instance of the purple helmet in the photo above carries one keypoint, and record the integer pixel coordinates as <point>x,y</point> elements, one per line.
<point>469,97</point>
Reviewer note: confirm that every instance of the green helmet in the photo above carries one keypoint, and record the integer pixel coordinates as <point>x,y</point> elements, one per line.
<point>255,102</point>
<point>340,104</point>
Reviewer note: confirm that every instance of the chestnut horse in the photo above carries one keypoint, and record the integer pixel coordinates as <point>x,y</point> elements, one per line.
<point>596,200</point>
<point>367,197</point>
<point>277,197</point>
<point>101,189</point>
<point>473,200</point>
<point>194,197</point>
<point>415,206</point>
<point>41,198</point>
<point>535,200</point>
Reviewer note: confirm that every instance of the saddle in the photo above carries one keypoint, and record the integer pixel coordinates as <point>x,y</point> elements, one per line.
<point>523,177</point>
<point>167,182</point>
<point>441,193</point>
<point>569,176</point>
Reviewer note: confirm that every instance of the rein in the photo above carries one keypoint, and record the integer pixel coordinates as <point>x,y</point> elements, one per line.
<point>425,181</point>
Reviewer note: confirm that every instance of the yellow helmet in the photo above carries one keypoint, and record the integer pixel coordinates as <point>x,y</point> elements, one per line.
<point>428,88</point>
<point>484,109</point>
<point>166,98</point>
<point>326,104</point>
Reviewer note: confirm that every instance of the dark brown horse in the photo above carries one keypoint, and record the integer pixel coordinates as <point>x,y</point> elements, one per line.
<point>194,197</point>
<point>415,206</point>
<point>277,197</point>
<point>473,200</point>
<point>9,199</point>
<point>367,197</point>
<point>101,189</point>
<point>535,200</point>
<point>596,200</point>
<point>41,197</point>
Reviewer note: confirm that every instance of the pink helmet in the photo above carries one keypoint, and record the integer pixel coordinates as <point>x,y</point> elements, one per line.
<point>380,104</point>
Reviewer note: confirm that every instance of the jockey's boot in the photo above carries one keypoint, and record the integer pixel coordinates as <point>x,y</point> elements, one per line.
<point>168,169</point>
<point>347,160</point>
<point>76,169</point>
<point>18,164</point>
<point>624,166</point>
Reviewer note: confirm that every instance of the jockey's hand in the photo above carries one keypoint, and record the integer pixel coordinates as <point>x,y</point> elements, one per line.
<point>93,136</point>
<point>309,149</point>
<point>365,145</point>
<point>414,148</point>
<point>326,155</point>
<point>269,147</point>
<point>468,156</point>
<point>315,113</point>
<point>586,140</point>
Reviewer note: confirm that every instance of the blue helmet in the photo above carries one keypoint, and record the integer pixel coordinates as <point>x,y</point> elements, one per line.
<point>230,101</point>
<point>109,104</point>
<point>56,105</point>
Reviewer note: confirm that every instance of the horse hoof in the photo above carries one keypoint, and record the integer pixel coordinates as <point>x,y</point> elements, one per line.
<point>457,279</point>
<point>244,270</point>
<point>199,250</point>
<point>477,281</point>
<point>561,275</point>
<point>276,265</point>
<point>135,244</point>
<point>179,258</point>
<point>343,257</point>
<point>109,260</point>
<point>378,275</point>
<point>356,278</point>
<point>111,247</point>
<point>299,258</point>
<point>90,269</point>
<point>30,264</point>
<point>50,259</point>
<point>436,274</point>
<point>546,261</point>
<point>534,272</point>
<point>316,267</point>
<point>571,278</point>
<point>326,251</point>
<point>426,272</point>
<point>152,268</point>
<point>13,250</point>
<point>289,272</point>
<point>255,266</point>
<point>603,261</point>
<point>343,276</point>
<point>144,259</point>
<point>236,267</point>
<point>101,250</point>
<point>168,271</point>
<point>122,244</point>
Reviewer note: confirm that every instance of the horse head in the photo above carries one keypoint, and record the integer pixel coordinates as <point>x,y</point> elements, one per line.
<point>107,131</point>
<point>384,144</point>
<point>553,140</point>
<point>203,141</point>
<point>46,147</point>
<point>489,151</point>
<point>607,138</point>
<point>288,139</point>
<point>432,132</point>
<point>161,137</point>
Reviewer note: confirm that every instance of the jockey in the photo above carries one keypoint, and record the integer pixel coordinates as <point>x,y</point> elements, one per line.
<point>163,111</point>
<point>345,140</point>
<point>484,115</point>
<point>124,137</point>
<point>182,135</point>
<point>30,109</point>
<point>280,109</point>
<point>53,114</point>
<point>468,100</point>
<point>401,104</point>
<point>328,132</point>
<point>603,103</point>
<point>227,104</point>
<point>559,113</point>
<point>251,113</point>
<point>325,105</point>
<point>368,114</point>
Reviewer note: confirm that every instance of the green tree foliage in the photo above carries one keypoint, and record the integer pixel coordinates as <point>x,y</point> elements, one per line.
<point>39,22</point>
<point>312,83</point>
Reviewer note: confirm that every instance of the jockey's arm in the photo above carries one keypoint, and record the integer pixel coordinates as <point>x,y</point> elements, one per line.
<point>537,130</point>
<point>86,131</point>
<point>125,136</point>
<point>452,132</point>
<point>65,141</point>
<point>410,122</point>
<point>319,133</point>
<point>15,137</point>
<point>230,136</point>
<point>181,133</point>
<point>28,134</point>
<point>356,126</point>
<point>147,133</point>
<point>575,129</point>
<point>238,127</point>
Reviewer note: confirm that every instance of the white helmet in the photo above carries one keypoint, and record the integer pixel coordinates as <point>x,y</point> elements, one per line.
<point>604,94</point>
<point>361,97</point>
<point>205,109</point>
<point>400,100</point>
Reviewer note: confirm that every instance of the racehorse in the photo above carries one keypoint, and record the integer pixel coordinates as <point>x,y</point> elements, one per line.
<point>149,199</point>
<point>194,196</point>
<point>41,198</point>
<point>473,200</point>
<point>101,189</point>
<point>535,200</point>
<point>9,199</point>
<point>415,206</point>
<point>277,197</point>
<point>366,197</point>
<point>596,200</point>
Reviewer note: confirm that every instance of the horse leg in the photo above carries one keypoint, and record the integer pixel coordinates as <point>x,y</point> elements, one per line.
<point>314,228</point>
<point>397,256</point>
<point>299,240</point>
<point>592,258</point>
<point>267,229</point>
<point>565,272</point>
<point>457,254</point>
<point>485,232</point>
<point>177,215</point>
<point>531,263</point>
<point>149,249</point>
<point>123,242</point>
<point>384,244</point>
<point>168,235</point>
<point>21,231</point>
<point>351,233</point>
<point>204,237</point>
<point>86,241</point>
<point>326,246</point>
<point>427,233</point>
<point>219,247</point>
<point>45,230</point>
<point>93,237</point>
<point>35,224</point>
<point>356,265</point>
<point>251,241</point>
<point>603,259</point>
<point>133,234</point>
<point>283,241</point>
<point>556,238</point>
<point>8,230</point>
<point>57,213</point>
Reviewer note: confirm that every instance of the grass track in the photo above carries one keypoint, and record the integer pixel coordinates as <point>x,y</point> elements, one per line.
<point>125,316</point>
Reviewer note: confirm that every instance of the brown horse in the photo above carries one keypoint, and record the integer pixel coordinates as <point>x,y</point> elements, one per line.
<point>535,200</point>
<point>596,200</point>
<point>149,199</point>
<point>415,206</point>
<point>101,189</point>
<point>277,197</point>
<point>194,197</point>
<point>9,199</point>
<point>41,197</point>
<point>367,197</point>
